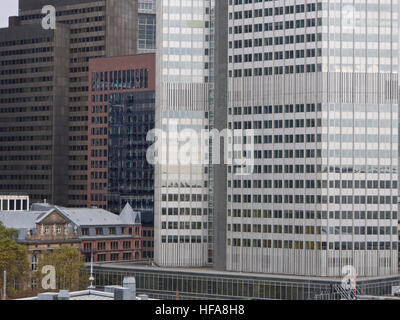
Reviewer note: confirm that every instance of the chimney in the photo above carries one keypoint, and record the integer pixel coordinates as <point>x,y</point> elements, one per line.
<point>63,295</point>
<point>130,283</point>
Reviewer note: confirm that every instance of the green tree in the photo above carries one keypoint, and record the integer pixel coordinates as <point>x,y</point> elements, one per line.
<point>68,263</point>
<point>13,259</point>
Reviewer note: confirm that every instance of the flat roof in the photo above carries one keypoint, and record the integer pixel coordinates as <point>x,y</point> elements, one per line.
<point>211,272</point>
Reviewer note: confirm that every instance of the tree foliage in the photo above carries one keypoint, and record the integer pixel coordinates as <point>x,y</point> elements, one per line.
<point>68,263</point>
<point>13,259</point>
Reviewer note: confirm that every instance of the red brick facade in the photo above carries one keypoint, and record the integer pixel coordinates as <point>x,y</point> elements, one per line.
<point>127,247</point>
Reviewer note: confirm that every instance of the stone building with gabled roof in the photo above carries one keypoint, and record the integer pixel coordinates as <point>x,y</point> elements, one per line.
<point>106,236</point>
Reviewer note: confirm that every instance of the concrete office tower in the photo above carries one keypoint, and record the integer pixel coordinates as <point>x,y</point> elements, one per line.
<point>94,29</point>
<point>182,102</point>
<point>33,108</point>
<point>317,81</point>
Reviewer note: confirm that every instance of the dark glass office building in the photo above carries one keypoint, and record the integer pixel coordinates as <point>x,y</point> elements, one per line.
<point>121,113</point>
<point>131,177</point>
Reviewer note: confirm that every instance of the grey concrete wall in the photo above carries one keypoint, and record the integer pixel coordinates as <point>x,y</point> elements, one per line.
<point>220,123</point>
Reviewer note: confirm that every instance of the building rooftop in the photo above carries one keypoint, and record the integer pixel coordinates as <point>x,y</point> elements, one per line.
<point>77,217</point>
<point>125,292</point>
<point>20,219</point>
<point>211,272</point>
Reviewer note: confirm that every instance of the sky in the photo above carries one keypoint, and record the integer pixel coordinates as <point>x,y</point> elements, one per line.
<point>7,8</point>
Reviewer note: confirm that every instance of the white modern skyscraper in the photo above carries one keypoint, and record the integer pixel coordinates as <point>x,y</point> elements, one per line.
<point>182,102</point>
<point>317,81</point>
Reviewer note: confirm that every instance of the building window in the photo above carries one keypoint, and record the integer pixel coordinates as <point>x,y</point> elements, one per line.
<point>87,246</point>
<point>114,257</point>
<point>99,231</point>
<point>58,229</point>
<point>101,257</point>
<point>85,231</point>
<point>34,263</point>
<point>127,244</point>
<point>33,283</point>
<point>127,256</point>
<point>114,245</point>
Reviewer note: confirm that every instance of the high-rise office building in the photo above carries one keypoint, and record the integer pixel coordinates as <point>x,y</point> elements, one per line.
<point>33,108</point>
<point>317,82</point>
<point>121,113</point>
<point>86,29</point>
<point>184,82</point>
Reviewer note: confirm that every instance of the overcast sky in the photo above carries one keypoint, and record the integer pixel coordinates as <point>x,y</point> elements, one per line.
<point>7,8</point>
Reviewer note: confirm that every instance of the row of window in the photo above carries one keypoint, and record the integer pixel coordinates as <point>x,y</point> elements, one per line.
<point>267,12</point>
<point>26,70</point>
<point>111,231</point>
<point>26,61</point>
<point>310,230</point>
<point>311,245</point>
<point>127,256</point>
<point>26,80</point>
<point>122,79</point>
<point>271,41</point>
<point>22,42</point>
<point>183,239</point>
<point>279,25</point>
<point>289,108</point>
<point>309,199</point>
<point>277,55</point>
<point>26,51</point>
<point>60,13</point>
<point>338,184</point>
<point>114,245</point>
<point>173,225</point>
<point>288,138</point>
<point>275,124</point>
<point>184,211</point>
<point>308,214</point>
<point>269,71</point>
